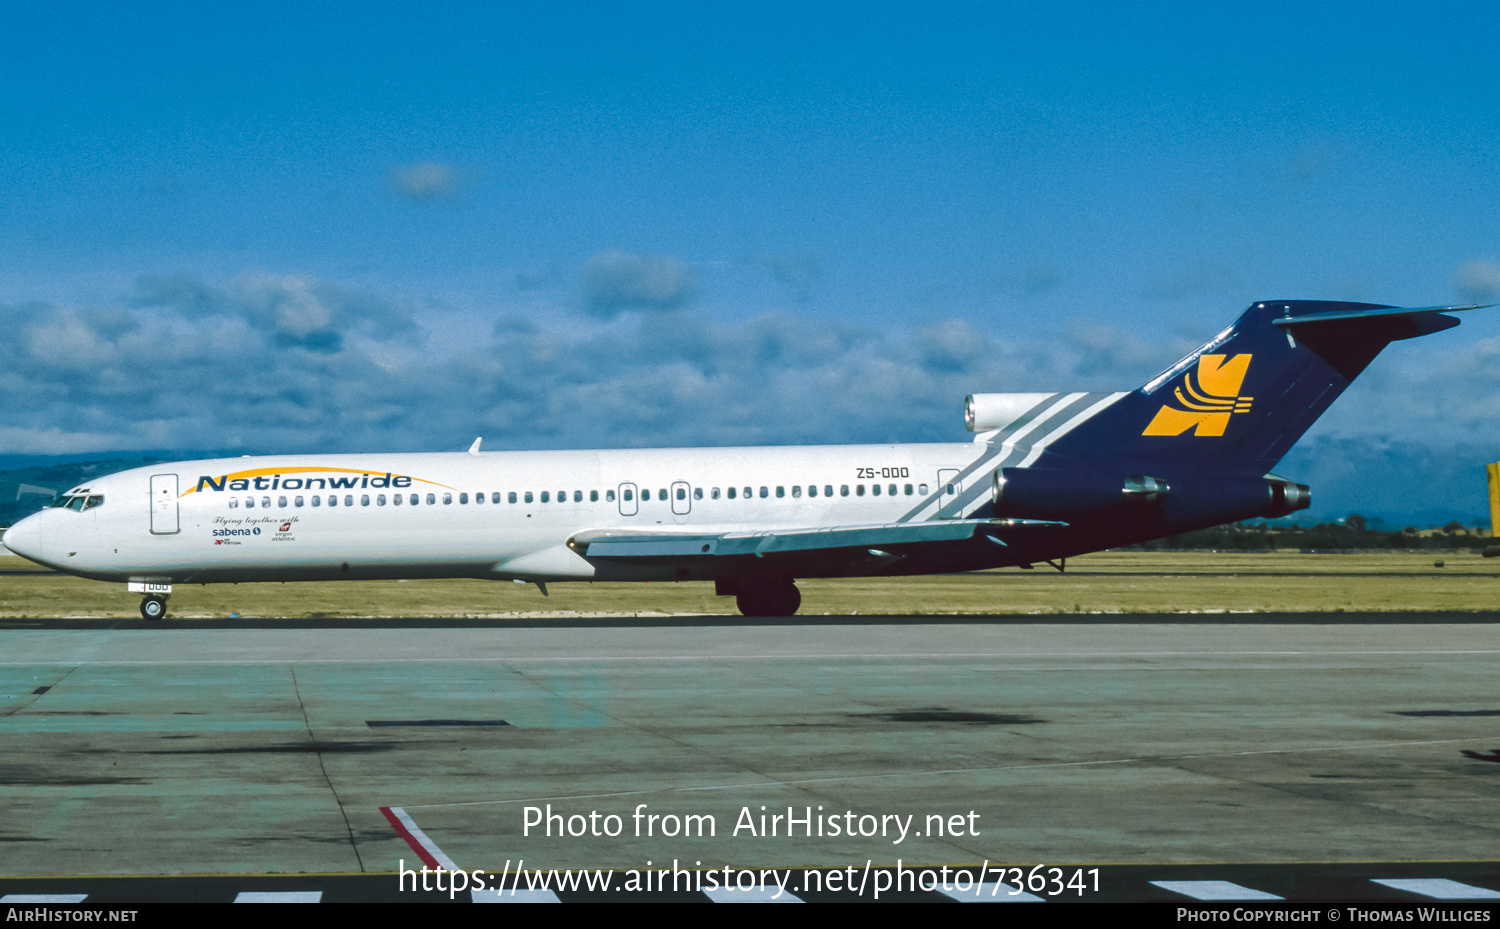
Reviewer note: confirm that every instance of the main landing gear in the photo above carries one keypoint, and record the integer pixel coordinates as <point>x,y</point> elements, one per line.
<point>153,608</point>
<point>769,598</point>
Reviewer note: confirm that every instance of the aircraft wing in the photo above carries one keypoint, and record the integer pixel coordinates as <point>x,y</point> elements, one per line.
<point>617,543</point>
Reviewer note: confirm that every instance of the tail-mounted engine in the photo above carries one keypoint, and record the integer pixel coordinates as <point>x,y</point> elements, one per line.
<point>1038,493</point>
<point>1035,493</point>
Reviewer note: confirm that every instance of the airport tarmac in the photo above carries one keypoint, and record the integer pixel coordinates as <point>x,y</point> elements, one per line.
<point>206,748</point>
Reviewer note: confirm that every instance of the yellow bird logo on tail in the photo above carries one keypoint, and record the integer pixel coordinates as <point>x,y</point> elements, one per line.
<point>1207,405</point>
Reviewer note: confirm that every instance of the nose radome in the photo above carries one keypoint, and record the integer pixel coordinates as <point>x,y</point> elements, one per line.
<point>24,538</point>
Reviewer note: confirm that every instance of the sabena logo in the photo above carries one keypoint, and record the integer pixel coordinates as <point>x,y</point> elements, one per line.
<point>1206,405</point>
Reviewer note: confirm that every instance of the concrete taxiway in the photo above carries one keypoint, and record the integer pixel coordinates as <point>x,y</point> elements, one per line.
<point>186,748</point>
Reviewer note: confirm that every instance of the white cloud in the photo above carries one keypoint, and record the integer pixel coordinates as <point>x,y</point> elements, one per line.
<point>613,281</point>
<point>430,181</point>
<point>297,310</point>
<point>1478,281</point>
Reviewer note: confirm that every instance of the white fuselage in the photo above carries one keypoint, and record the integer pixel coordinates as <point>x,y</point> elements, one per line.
<point>420,515</point>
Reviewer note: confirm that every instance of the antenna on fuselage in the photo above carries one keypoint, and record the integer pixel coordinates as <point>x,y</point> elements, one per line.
<point>474,449</point>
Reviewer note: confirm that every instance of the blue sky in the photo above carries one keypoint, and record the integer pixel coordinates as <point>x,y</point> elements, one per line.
<point>308,227</point>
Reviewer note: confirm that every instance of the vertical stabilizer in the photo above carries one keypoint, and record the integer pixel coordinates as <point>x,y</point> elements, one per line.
<point>1239,403</point>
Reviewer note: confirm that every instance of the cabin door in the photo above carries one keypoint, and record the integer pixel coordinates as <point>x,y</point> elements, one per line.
<point>949,487</point>
<point>164,504</point>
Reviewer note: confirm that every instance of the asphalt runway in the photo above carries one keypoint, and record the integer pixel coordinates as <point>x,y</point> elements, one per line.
<point>1203,746</point>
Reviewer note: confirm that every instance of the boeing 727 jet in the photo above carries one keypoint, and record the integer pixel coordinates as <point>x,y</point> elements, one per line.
<point>1046,476</point>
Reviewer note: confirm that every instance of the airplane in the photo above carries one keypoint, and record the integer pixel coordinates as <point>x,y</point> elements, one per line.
<point>1046,476</point>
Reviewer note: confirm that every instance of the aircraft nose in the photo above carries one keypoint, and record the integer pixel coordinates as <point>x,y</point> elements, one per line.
<point>24,538</point>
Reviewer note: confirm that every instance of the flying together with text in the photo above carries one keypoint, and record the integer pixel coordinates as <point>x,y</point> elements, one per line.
<point>1047,475</point>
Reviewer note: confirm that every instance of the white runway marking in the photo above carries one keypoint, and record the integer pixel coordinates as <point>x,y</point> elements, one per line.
<point>513,896</point>
<point>760,894</point>
<point>1214,890</point>
<point>415,835</point>
<point>1439,888</point>
<point>43,898</point>
<point>272,896</point>
<point>993,893</point>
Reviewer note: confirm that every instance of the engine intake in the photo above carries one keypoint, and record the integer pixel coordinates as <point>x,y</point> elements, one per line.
<point>987,412</point>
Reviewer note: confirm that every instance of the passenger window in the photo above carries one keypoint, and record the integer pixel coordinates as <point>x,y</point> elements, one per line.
<point>447,499</point>
<point>414,499</point>
<point>765,492</point>
<point>682,493</point>
<point>398,499</point>
<point>479,498</point>
<point>731,493</point>
<point>609,495</point>
<point>628,496</point>
<point>843,490</point>
<point>747,493</point>
<point>892,490</point>
<point>593,496</point>
<point>697,493</point>
<point>511,497</point>
<point>827,490</point>
<point>265,502</point>
<point>528,496</point>
<point>281,502</point>
<point>380,499</point>
<point>463,498</point>
<point>364,499</point>
<point>661,494</point>
<point>234,502</point>
<point>577,496</point>
<point>922,489</point>
<point>332,501</point>
<point>546,496</point>
<point>908,490</point>
<point>875,489</point>
<point>780,491</point>
<point>495,497</point>
<point>297,501</point>
<point>431,499</point>
<point>859,490</point>
<point>796,490</point>
<point>812,490</point>
<point>715,493</point>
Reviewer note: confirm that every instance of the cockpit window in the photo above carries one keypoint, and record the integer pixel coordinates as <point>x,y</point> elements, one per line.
<point>76,501</point>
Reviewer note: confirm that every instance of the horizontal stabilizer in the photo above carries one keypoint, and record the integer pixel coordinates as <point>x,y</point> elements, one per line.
<point>617,544</point>
<point>1367,312</point>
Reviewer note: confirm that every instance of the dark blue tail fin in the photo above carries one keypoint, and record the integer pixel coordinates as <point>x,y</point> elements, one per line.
<point>1239,403</point>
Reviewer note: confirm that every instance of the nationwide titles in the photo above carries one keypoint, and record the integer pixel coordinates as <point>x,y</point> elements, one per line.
<point>294,479</point>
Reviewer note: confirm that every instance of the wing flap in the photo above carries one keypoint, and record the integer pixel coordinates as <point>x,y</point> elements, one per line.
<point>614,543</point>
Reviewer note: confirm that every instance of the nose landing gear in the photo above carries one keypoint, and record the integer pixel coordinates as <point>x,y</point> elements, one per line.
<point>153,608</point>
